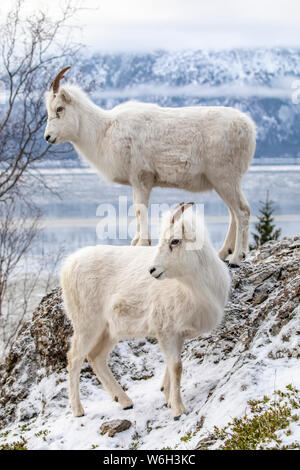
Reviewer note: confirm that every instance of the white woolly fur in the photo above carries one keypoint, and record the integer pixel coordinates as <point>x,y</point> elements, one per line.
<point>143,145</point>
<point>171,292</point>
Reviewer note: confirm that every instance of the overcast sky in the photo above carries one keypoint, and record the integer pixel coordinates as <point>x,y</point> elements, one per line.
<point>183,24</point>
<point>143,25</point>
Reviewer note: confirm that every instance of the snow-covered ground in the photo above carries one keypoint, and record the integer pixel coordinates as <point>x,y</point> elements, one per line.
<point>153,426</point>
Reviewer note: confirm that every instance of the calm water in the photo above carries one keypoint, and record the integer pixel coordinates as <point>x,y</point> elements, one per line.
<point>71,220</point>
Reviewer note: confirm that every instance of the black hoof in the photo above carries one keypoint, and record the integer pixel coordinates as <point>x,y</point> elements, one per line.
<point>128,407</point>
<point>162,389</point>
<point>176,418</point>
<point>230,251</point>
<point>232,265</point>
<point>116,398</point>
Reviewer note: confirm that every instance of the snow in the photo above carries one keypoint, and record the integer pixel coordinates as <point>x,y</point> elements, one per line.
<point>66,432</point>
<point>152,421</point>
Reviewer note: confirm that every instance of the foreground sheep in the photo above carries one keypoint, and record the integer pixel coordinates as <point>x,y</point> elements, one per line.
<point>112,293</point>
<point>142,145</point>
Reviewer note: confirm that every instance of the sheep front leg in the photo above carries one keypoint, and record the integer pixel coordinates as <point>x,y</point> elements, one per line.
<point>171,346</point>
<point>165,386</point>
<point>140,200</point>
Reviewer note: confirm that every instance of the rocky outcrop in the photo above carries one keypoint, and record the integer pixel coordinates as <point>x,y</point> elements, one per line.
<point>40,348</point>
<point>262,323</point>
<point>264,305</point>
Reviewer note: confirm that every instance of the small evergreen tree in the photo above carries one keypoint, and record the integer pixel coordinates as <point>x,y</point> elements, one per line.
<point>265,228</point>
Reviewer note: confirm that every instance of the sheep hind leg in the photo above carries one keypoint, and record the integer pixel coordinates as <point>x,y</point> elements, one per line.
<point>76,356</point>
<point>229,243</point>
<point>239,207</point>
<point>98,359</point>
<point>245,235</point>
<point>242,214</point>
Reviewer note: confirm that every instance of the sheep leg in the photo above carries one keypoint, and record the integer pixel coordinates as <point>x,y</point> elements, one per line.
<point>171,347</point>
<point>141,196</point>
<point>246,219</point>
<point>138,228</point>
<point>98,358</point>
<point>75,361</point>
<point>242,215</point>
<point>229,243</point>
<point>165,386</point>
<point>236,202</point>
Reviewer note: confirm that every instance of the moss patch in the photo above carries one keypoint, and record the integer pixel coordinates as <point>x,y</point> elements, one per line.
<point>17,445</point>
<point>265,425</point>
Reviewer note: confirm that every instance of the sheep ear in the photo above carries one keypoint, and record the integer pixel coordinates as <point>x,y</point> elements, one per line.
<point>65,96</point>
<point>179,210</point>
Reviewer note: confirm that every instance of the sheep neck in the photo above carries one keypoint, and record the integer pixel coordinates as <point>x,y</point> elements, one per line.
<point>92,127</point>
<point>201,288</point>
<point>193,284</point>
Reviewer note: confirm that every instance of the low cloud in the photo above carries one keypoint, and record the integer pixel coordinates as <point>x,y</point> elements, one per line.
<point>231,90</point>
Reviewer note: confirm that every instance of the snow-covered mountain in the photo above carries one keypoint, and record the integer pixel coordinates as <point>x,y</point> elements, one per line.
<point>262,82</point>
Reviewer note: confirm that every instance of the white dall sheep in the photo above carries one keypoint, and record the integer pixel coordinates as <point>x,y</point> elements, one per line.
<point>112,293</point>
<point>144,145</point>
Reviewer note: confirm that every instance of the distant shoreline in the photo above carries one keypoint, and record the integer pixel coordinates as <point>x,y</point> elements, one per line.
<point>93,221</point>
<point>254,167</point>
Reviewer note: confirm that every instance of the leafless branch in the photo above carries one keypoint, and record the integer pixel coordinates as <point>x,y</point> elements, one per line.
<point>31,48</point>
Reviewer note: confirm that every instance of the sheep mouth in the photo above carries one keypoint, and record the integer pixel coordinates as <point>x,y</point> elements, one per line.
<point>52,142</point>
<point>159,275</point>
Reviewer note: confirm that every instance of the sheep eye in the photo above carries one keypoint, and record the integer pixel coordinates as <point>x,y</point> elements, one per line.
<point>59,109</point>
<point>175,242</point>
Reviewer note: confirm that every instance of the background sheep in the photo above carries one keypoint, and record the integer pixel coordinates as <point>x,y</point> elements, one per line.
<point>112,293</point>
<point>143,145</point>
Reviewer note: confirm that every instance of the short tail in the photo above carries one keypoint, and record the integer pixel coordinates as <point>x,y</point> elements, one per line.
<point>69,285</point>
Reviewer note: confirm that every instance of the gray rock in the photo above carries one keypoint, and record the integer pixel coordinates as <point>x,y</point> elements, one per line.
<point>115,426</point>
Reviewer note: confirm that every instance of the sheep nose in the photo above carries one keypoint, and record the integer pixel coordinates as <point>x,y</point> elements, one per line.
<point>151,270</point>
<point>47,137</point>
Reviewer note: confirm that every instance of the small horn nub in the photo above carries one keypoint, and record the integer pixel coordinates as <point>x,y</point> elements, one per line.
<point>55,83</point>
<point>179,210</point>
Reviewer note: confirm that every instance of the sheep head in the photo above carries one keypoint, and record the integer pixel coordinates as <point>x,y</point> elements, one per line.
<point>63,120</point>
<point>174,253</point>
